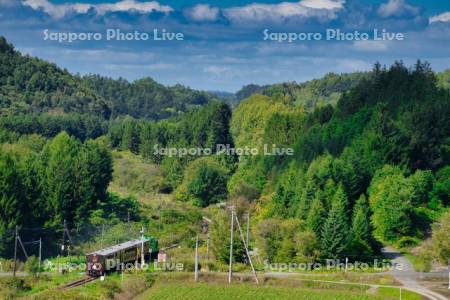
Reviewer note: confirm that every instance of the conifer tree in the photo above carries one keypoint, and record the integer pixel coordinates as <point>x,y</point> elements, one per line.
<point>306,198</point>
<point>130,138</point>
<point>57,171</point>
<point>361,221</point>
<point>316,215</point>
<point>361,232</point>
<point>335,229</point>
<point>11,201</point>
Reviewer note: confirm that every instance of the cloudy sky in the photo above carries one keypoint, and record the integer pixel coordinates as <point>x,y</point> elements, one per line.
<point>224,46</point>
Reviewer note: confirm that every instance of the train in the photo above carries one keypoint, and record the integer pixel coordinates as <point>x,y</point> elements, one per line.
<point>118,256</point>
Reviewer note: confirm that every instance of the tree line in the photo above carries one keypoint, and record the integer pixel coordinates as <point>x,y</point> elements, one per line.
<point>44,182</point>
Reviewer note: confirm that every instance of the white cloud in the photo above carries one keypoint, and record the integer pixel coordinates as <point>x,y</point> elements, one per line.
<point>444,17</point>
<point>278,12</point>
<point>371,46</point>
<point>323,4</point>
<point>216,70</point>
<point>60,10</point>
<point>8,3</point>
<point>126,5</point>
<point>57,11</point>
<point>397,8</point>
<point>202,12</point>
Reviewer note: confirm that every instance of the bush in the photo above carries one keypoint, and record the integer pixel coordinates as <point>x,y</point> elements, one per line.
<point>111,287</point>
<point>441,238</point>
<point>11,286</point>
<point>407,242</point>
<point>32,265</point>
<point>204,182</point>
<point>6,265</point>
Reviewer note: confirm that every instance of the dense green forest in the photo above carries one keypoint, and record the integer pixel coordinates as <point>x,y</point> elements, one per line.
<point>33,86</point>
<point>310,94</point>
<point>370,164</point>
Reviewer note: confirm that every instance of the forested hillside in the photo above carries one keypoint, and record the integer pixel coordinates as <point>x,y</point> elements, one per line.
<point>380,154</point>
<point>372,169</point>
<point>370,163</point>
<point>145,98</point>
<point>29,85</point>
<point>310,94</point>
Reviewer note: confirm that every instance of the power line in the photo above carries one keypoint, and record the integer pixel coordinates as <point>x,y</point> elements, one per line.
<point>246,250</point>
<point>231,247</point>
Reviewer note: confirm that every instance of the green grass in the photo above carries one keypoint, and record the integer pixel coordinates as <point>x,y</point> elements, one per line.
<point>420,264</point>
<point>31,285</point>
<point>379,279</point>
<point>394,293</point>
<point>132,175</point>
<point>215,286</point>
<point>251,292</point>
<point>49,288</point>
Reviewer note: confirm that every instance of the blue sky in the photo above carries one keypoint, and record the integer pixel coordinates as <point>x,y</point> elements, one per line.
<point>223,47</point>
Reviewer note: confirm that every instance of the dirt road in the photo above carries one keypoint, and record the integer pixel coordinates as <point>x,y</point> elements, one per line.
<point>408,276</point>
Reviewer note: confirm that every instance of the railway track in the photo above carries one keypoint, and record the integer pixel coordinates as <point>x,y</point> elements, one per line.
<point>78,282</point>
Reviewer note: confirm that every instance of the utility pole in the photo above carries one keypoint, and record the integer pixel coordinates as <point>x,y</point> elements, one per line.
<point>248,227</point>
<point>128,223</point>
<point>207,247</point>
<point>63,238</point>
<point>196,259</point>
<point>246,250</point>
<point>103,232</point>
<point>23,247</point>
<point>142,247</point>
<point>159,217</point>
<point>69,238</point>
<point>15,249</point>
<point>449,274</point>
<point>231,246</point>
<point>40,254</point>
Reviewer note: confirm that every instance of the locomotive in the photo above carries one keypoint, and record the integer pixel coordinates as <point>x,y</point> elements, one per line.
<point>116,257</point>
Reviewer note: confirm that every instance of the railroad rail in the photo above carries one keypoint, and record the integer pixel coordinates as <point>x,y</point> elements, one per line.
<point>79,282</point>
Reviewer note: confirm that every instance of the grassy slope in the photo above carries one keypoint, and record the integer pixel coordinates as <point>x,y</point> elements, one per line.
<point>133,176</point>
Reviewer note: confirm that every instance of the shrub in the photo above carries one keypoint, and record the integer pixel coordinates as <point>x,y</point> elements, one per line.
<point>32,265</point>
<point>407,242</point>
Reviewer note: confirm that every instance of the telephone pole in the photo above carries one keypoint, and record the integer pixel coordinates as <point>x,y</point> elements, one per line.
<point>40,253</point>
<point>15,250</point>
<point>248,227</point>
<point>196,259</point>
<point>207,247</point>
<point>142,247</point>
<point>231,246</point>
<point>103,232</point>
<point>246,250</point>
<point>63,238</point>
<point>23,247</point>
<point>159,217</point>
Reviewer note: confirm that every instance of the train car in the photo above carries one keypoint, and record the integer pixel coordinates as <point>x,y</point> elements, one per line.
<point>115,257</point>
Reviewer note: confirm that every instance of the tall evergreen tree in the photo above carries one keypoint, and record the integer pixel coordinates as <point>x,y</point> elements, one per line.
<point>361,233</point>
<point>58,178</point>
<point>316,215</point>
<point>335,229</point>
<point>12,202</point>
<point>130,137</point>
<point>361,220</point>
<point>308,192</point>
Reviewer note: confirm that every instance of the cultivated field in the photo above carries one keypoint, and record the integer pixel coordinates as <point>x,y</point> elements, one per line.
<point>250,292</point>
